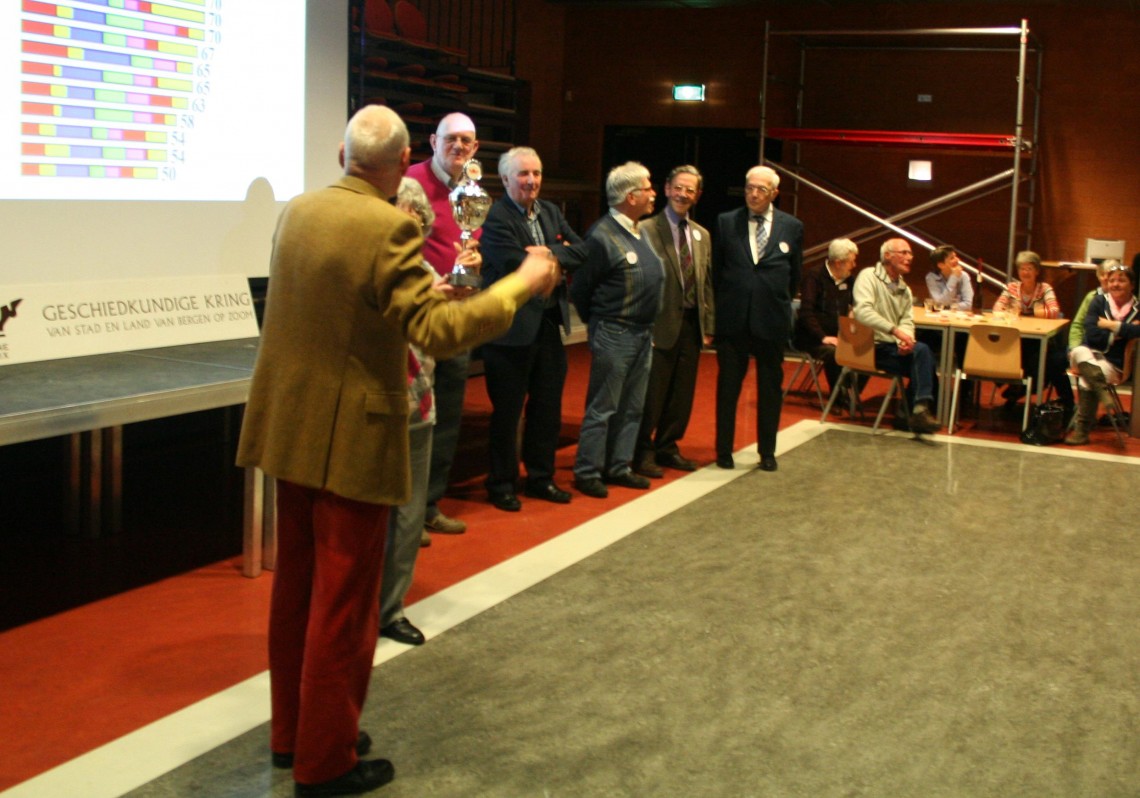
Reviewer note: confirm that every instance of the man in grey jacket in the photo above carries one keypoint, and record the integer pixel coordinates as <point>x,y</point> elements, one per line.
<point>883,301</point>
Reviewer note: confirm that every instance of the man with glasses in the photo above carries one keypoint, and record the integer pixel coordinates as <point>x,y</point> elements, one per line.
<point>682,327</point>
<point>757,257</point>
<point>617,292</point>
<point>453,144</point>
<point>883,301</point>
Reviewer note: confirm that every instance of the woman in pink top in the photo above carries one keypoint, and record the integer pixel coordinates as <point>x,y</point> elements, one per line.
<point>1029,294</point>
<point>1032,297</point>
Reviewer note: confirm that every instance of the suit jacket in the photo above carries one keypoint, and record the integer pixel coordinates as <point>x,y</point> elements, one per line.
<point>756,298</point>
<point>822,302</point>
<point>506,236</point>
<point>659,234</point>
<point>328,406</point>
<point>439,249</point>
<point>1103,340</point>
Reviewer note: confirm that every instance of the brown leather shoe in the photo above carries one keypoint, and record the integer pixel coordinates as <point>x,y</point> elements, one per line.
<point>676,461</point>
<point>647,468</point>
<point>444,525</point>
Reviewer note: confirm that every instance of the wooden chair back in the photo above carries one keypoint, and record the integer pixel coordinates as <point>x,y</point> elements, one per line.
<point>993,353</point>
<point>856,347</point>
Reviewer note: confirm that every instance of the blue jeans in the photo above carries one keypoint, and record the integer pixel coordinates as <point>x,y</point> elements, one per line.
<point>918,366</point>
<point>619,372</point>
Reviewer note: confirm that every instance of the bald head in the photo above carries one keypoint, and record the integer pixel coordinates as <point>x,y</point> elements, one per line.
<point>375,147</point>
<point>454,143</point>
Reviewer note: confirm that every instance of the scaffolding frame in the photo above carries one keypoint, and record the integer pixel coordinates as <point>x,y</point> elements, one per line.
<point>1021,147</point>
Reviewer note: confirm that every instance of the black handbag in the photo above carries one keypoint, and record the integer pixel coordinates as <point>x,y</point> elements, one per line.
<point>1046,425</point>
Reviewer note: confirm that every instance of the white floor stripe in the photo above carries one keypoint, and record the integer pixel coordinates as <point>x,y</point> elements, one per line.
<point>143,755</point>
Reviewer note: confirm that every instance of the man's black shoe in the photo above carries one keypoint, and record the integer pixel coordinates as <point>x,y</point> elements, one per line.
<point>629,479</point>
<point>768,463</point>
<point>591,487</point>
<point>402,631</point>
<point>365,777</point>
<point>363,746</point>
<point>676,461</point>
<point>549,491</point>
<point>725,461</point>
<point>505,500</point>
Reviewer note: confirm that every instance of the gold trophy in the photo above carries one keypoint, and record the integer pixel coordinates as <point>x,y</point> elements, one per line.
<point>470,205</point>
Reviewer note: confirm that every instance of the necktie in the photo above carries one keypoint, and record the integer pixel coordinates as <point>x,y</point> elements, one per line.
<point>688,273</point>
<point>761,237</point>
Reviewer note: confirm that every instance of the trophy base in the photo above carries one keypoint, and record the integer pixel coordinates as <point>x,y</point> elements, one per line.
<point>461,278</point>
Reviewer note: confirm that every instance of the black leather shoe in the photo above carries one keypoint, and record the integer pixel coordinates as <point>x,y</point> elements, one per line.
<point>629,480</point>
<point>726,462</point>
<point>549,491</point>
<point>402,631</point>
<point>768,463</point>
<point>365,777</point>
<point>506,501</point>
<point>363,746</point>
<point>647,468</point>
<point>677,461</point>
<point>592,487</point>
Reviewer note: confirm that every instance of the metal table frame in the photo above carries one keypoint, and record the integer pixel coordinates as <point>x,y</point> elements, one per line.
<point>90,398</point>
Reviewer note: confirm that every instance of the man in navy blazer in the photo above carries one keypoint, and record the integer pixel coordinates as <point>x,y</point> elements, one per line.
<point>757,257</point>
<point>527,365</point>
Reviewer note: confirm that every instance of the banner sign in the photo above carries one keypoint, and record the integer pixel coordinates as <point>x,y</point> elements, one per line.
<point>56,320</point>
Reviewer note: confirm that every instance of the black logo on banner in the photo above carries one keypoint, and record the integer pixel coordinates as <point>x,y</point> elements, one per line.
<point>8,312</point>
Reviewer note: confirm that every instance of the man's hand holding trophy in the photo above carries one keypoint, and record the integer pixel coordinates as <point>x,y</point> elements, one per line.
<point>470,205</point>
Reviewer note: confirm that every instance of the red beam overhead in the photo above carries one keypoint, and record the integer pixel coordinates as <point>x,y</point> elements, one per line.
<point>897,138</point>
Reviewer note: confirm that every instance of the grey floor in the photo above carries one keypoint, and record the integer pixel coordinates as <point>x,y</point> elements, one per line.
<point>881,617</point>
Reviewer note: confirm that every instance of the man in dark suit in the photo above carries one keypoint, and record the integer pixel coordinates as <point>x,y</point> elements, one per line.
<point>825,295</point>
<point>757,256</point>
<point>683,325</point>
<point>528,364</point>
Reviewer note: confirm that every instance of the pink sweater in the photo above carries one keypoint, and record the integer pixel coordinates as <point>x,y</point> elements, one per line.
<point>439,249</point>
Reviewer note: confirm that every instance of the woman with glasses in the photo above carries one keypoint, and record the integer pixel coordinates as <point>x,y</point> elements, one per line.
<point>1112,321</point>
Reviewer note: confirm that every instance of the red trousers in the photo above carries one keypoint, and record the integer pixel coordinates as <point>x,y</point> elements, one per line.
<point>323,626</point>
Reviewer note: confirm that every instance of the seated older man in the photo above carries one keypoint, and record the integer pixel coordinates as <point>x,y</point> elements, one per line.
<point>825,295</point>
<point>883,301</point>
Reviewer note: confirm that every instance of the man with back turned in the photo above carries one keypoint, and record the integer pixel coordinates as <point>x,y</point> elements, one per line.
<point>328,419</point>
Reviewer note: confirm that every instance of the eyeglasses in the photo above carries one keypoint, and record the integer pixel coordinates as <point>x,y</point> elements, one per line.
<point>1116,267</point>
<point>906,253</point>
<point>643,188</point>
<point>465,141</point>
<point>761,190</point>
<point>689,192</point>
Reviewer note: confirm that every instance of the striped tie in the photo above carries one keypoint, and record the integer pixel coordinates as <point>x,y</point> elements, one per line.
<point>761,237</point>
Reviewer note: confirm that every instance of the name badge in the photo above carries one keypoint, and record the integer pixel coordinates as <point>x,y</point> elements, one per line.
<point>696,235</point>
<point>631,256</point>
<point>784,247</point>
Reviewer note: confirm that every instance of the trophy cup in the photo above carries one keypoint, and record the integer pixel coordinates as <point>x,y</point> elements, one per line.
<point>469,205</point>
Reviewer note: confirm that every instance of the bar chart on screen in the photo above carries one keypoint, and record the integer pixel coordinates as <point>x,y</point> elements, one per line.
<point>134,99</point>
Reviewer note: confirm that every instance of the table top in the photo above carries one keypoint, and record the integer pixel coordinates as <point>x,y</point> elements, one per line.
<point>59,397</point>
<point>1027,325</point>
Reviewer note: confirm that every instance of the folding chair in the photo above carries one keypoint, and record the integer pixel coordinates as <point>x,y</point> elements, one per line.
<point>855,352</point>
<point>813,364</point>
<point>1117,415</point>
<point>993,353</point>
